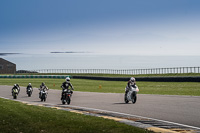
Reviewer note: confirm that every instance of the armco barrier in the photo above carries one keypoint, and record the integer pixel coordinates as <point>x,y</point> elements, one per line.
<point>102,78</point>
<point>152,79</point>
<point>35,76</point>
<point>169,79</point>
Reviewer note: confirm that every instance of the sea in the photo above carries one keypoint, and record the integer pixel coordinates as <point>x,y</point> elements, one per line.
<point>98,61</point>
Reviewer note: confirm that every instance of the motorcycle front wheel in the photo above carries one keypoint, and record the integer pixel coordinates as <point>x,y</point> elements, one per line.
<point>15,97</point>
<point>134,99</point>
<point>42,98</point>
<point>29,94</point>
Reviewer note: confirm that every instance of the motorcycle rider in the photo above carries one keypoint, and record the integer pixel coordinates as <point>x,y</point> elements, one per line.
<point>16,86</point>
<point>43,87</point>
<point>66,85</point>
<point>29,86</point>
<point>131,83</point>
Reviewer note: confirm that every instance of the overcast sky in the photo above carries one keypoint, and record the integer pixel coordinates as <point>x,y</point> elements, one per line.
<point>141,27</point>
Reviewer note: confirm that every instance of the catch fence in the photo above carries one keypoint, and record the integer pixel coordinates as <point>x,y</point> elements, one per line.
<point>175,70</point>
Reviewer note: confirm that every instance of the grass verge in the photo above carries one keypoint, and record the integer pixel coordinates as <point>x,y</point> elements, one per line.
<point>162,88</point>
<point>16,117</point>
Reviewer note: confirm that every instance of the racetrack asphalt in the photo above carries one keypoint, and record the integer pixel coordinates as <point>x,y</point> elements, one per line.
<point>173,108</point>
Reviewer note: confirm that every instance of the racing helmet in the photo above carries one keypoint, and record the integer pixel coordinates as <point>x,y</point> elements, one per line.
<point>67,79</point>
<point>132,79</point>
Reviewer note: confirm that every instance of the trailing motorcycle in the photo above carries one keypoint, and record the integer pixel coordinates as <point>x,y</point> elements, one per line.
<point>29,91</point>
<point>15,92</point>
<point>131,95</point>
<point>66,96</point>
<point>43,95</point>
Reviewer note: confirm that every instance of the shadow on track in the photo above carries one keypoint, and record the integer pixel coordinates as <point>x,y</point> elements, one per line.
<point>122,103</point>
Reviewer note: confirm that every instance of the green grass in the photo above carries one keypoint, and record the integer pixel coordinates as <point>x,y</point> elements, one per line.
<point>162,88</point>
<point>16,117</point>
<point>170,88</point>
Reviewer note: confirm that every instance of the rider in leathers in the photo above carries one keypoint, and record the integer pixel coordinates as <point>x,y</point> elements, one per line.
<point>131,83</point>
<point>16,86</point>
<point>66,85</point>
<point>43,87</point>
<point>29,86</point>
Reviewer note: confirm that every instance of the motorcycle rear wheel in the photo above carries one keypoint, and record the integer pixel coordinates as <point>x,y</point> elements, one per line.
<point>125,99</point>
<point>68,100</point>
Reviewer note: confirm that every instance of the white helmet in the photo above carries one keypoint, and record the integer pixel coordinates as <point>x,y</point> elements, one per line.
<point>29,83</point>
<point>67,79</point>
<point>132,79</point>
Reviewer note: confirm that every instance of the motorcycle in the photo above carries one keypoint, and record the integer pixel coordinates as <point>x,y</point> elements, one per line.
<point>29,91</point>
<point>131,95</point>
<point>43,95</point>
<point>15,93</point>
<point>66,96</point>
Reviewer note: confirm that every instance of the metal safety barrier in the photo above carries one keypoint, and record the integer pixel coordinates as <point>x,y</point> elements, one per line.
<point>36,76</point>
<point>175,70</point>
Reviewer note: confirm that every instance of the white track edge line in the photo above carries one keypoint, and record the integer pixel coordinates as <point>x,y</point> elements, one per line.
<point>138,116</point>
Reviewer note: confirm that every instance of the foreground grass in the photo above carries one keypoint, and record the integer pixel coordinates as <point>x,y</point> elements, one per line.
<point>162,88</point>
<point>16,117</point>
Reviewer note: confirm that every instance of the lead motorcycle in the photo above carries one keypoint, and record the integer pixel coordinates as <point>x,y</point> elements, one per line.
<point>43,95</point>
<point>66,96</point>
<point>15,92</point>
<point>131,95</point>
